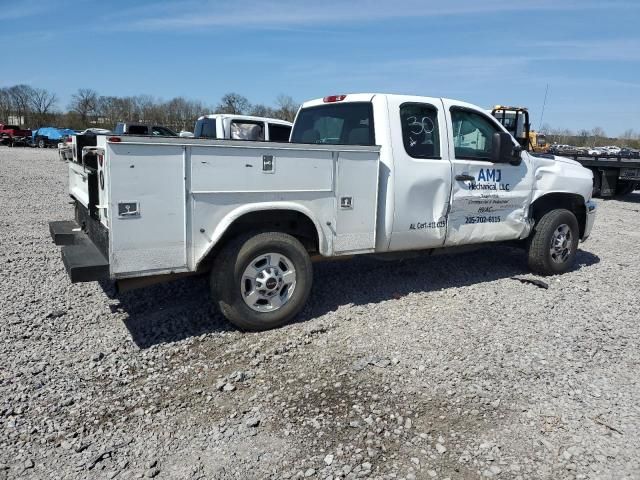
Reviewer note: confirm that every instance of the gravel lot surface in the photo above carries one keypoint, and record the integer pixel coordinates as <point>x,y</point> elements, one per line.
<point>441,367</point>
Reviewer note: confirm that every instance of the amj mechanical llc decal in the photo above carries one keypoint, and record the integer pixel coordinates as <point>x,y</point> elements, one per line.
<point>489,179</point>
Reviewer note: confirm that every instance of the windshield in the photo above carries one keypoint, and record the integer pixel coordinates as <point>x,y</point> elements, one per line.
<point>335,124</point>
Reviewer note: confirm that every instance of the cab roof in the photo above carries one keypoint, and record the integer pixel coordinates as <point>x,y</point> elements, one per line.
<point>368,97</point>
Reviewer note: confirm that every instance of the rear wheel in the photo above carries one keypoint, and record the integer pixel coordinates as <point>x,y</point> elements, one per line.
<point>554,243</point>
<point>262,281</point>
<point>41,143</point>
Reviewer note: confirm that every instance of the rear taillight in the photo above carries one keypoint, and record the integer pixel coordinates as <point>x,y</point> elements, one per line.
<point>114,139</point>
<point>334,98</point>
<point>69,140</point>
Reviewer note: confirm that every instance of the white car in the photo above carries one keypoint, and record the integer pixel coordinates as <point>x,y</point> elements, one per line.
<point>613,150</point>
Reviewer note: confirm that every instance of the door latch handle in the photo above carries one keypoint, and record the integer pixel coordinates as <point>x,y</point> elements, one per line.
<point>465,177</point>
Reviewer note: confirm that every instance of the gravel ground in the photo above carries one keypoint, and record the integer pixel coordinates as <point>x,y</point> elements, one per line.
<point>441,367</point>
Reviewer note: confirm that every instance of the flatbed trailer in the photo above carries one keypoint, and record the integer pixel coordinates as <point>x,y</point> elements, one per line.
<point>611,175</point>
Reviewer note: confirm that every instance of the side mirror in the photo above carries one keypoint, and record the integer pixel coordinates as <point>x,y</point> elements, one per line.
<point>504,151</point>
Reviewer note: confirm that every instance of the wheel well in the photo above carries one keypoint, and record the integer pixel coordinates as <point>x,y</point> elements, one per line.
<point>294,223</point>
<point>552,201</point>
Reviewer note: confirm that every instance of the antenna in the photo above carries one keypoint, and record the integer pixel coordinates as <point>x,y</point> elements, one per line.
<point>543,105</point>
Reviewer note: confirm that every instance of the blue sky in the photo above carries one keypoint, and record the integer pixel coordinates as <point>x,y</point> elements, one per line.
<point>482,51</point>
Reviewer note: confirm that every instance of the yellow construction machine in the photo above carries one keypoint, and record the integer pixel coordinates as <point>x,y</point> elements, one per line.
<point>516,121</point>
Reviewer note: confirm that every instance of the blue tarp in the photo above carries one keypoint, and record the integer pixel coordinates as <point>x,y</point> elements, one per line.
<point>53,133</point>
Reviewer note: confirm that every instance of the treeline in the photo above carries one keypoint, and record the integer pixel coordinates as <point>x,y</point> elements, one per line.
<point>37,107</point>
<point>596,137</point>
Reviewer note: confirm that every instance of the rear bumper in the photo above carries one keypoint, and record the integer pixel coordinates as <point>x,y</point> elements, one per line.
<point>591,217</point>
<point>82,259</point>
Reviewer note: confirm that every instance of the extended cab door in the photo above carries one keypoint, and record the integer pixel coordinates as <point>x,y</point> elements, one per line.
<point>422,172</point>
<point>489,201</point>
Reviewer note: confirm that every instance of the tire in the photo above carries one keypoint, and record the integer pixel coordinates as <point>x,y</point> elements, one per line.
<point>559,227</point>
<point>625,187</point>
<point>255,273</point>
<point>41,143</point>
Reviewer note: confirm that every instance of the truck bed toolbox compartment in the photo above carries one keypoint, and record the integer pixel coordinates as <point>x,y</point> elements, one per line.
<point>82,259</point>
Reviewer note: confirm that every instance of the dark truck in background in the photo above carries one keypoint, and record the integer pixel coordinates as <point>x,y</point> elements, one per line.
<point>615,171</point>
<point>612,175</point>
<point>14,135</point>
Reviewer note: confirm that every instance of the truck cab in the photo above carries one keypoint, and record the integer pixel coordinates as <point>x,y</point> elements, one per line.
<point>242,127</point>
<point>124,128</point>
<point>450,173</point>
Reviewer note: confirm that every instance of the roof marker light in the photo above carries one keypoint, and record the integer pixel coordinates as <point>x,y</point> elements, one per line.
<point>334,98</point>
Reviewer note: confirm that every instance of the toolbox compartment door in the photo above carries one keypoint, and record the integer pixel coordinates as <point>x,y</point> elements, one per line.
<point>79,183</point>
<point>146,209</point>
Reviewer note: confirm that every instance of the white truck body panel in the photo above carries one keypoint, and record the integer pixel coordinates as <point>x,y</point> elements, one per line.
<point>168,201</point>
<point>183,194</point>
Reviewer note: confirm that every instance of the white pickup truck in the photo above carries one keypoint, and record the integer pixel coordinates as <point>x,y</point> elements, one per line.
<point>363,173</point>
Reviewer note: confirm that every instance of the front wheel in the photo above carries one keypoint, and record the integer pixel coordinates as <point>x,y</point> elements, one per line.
<point>554,243</point>
<point>41,143</point>
<point>262,281</point>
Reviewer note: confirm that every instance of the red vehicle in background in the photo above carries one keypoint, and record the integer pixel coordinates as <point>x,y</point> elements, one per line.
<point>13,135</point>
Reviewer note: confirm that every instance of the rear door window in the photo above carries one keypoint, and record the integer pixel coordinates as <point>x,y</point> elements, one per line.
<point>420,133</point>
<point>335,124</point>
<point>162,132</point>
<point>138,130</point>
<point>244,130</point>
<point>279,133</point>
<point>205,128</point>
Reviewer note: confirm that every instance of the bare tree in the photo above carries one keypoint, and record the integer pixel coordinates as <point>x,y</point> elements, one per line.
<point>85,103</point>
<point>628,134</point>
<point>20,98</point>
<point>287,108</point>
<point>583,138</point>
<point>6,104</point>
<point>233,103</point>
<point>144,105</point>
<point>598,135</point>
<point>260,110</point>
<point>42,102</point>
<point>545,129</point>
